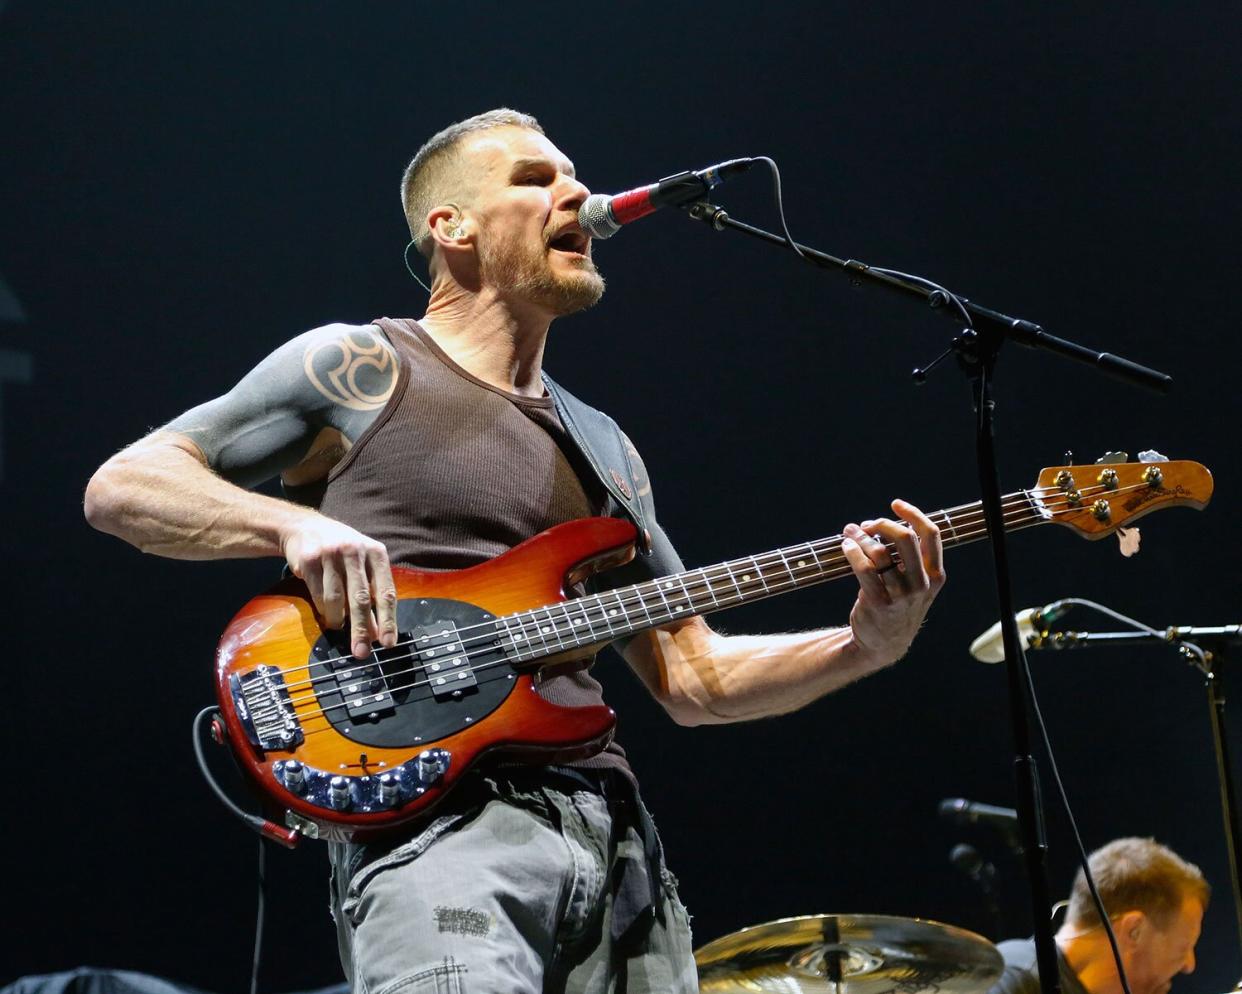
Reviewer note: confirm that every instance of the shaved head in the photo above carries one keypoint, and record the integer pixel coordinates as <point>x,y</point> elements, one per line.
<point>440,174</point>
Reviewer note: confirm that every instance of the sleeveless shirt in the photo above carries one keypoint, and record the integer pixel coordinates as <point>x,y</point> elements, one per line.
<point>455,471</point>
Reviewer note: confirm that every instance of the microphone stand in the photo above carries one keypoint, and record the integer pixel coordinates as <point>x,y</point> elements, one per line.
<point>1205,649</point>
<point>977,347</point>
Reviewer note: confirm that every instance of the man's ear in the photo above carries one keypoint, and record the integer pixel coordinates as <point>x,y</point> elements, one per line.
<point>448,228</point>
<point>1130,927</point>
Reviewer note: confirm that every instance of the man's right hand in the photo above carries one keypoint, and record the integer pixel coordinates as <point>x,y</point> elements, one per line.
<point>349,579</point>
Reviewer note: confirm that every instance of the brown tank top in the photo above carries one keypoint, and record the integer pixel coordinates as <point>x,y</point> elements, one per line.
<point>454,472</point>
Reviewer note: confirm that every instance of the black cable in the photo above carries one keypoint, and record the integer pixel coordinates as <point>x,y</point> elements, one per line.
<point>780,204</point>
<point>252,821</point>
<point>258,925</point>
<point>1082,850</point>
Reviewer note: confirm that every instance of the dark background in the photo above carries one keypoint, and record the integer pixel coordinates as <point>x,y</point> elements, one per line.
<point>183,188</point>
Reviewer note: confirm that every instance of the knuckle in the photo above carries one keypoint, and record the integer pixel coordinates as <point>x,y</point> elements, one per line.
<point>388,596</point>
<point>362,598</point>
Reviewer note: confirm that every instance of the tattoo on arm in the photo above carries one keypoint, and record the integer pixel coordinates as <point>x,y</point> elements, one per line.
<point>337,377</point>
<point>356,370</point>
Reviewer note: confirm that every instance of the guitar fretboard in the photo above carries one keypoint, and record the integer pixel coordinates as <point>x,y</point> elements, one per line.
<point>600,618</point>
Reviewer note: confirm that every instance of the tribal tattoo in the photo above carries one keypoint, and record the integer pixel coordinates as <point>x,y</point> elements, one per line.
<point>356,370</point>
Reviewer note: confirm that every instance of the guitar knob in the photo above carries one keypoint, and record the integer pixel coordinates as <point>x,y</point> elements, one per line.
<point>430,765</point>
<point>338,793</point>
<point>389,789</point>
<point>293,776</point>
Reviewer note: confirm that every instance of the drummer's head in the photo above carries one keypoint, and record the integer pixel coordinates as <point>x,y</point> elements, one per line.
<point>1155,901</point>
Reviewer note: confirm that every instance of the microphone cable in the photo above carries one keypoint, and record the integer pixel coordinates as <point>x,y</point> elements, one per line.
<point>1069,813</point>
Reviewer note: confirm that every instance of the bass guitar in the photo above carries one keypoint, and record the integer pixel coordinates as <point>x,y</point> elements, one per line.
<point>348,749</point>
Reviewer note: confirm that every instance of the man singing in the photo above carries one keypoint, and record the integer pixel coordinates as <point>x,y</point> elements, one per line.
<point>438,444</point>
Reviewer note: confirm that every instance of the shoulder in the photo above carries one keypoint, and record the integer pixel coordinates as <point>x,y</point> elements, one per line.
<point>351,366</point>
<point>1020,974</point>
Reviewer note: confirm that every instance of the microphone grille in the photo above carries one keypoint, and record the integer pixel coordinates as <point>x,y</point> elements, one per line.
<point>595,216</point>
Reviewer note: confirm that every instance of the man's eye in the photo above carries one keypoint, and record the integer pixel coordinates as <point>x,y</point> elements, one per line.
<point>535,179</point>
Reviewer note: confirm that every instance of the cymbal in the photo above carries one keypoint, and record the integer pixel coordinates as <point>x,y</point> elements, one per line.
<point>849,954</point>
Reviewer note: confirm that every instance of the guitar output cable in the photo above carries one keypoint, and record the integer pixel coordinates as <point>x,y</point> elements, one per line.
<point>262,826</point>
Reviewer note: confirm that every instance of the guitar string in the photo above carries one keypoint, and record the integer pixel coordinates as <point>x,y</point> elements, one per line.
<point>1015,501</point>
<point>533,629</point>
<point>836,571</point>
<point>322,712</point>
<point>642,599</point>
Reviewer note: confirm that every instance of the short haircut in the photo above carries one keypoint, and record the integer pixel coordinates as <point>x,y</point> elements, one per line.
<point>1136,874</point>
<point>431,178</point>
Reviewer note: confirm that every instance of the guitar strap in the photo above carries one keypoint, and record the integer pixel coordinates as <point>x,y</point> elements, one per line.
<point>602,444</point>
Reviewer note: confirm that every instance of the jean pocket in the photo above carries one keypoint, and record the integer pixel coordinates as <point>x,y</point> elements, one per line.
<point>363,871</point>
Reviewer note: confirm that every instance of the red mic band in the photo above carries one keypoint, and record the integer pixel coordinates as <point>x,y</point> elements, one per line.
<point>627,207</point>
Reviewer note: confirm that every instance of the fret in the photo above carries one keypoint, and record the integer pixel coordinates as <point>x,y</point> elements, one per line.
<point>759,572</point>
<point>642,602</point>
<point>952,528</point>
<point>585,619</point>
<point>728,568</point>
<point>708,584</point>
<point>788,569</point>
<point>658,585</point>
<point>625,614</point>
<point>689,605</point>
<point>523,635</point>
<point>603,614</point>
<point>816,564</point>
<point>513,640</point>
<point>549,629</point>
<point>569,621</point>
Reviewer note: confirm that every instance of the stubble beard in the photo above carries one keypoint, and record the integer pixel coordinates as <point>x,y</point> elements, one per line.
<point>526,272</point>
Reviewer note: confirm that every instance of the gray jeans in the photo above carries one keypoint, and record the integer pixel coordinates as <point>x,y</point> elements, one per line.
<point>509,892</point>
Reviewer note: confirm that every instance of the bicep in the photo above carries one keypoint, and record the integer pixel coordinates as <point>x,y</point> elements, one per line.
<point>269,420</point>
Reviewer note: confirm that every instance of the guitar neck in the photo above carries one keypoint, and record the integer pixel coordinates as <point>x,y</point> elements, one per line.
<point>600,618</point>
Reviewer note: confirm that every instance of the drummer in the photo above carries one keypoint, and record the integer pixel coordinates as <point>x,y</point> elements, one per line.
<point>1155,901</point>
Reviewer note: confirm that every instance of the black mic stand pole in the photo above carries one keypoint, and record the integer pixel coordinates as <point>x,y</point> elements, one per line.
<point>1205,648</point>
<point>977,348</point>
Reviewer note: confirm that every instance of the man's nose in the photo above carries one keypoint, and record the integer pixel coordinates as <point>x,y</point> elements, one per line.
<point>571,194</point>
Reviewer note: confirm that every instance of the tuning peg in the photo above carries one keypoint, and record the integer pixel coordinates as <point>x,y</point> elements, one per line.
<point>1151,455</point>
<point>1069,458</point>
<point>1113,457</point>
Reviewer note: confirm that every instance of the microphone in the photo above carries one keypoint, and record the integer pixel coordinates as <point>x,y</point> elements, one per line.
<point>960,811</point>
<point>602,215</point>
<point>969,860</point>
<point>990,646</point>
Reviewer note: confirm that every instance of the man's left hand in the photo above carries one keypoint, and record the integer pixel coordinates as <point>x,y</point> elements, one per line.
<point>894,594</point>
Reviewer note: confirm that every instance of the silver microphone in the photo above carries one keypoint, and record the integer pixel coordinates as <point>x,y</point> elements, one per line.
<point>990,646</point>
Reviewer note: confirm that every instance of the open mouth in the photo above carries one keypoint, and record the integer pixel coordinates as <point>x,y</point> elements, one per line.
<point>571,241</point>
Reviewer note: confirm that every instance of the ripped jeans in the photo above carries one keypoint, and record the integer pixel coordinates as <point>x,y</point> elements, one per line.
<point>514,889</point>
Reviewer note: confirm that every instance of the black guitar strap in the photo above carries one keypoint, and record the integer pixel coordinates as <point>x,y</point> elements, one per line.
<point>601,443</point>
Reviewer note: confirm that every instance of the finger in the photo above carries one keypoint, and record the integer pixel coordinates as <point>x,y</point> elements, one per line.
<point>333,596</point>
<point>869,581</point>
<point>873,548</point>
<point>929,537</point>
<point>906,544</point>
<point>358,592</point>
<point>385,591</point>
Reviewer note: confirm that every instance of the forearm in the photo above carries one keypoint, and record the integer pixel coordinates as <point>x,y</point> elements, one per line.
<point>706,678</point>
<point>160,497</point>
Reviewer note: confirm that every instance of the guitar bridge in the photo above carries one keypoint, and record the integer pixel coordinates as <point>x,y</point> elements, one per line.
<point>262,703</point>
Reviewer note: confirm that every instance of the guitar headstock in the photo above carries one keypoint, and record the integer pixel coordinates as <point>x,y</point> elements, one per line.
<point>1097,499</point>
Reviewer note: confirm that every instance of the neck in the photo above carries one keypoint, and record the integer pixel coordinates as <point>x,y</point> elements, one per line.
<point>1090,958</point>
<point>493,337</point>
